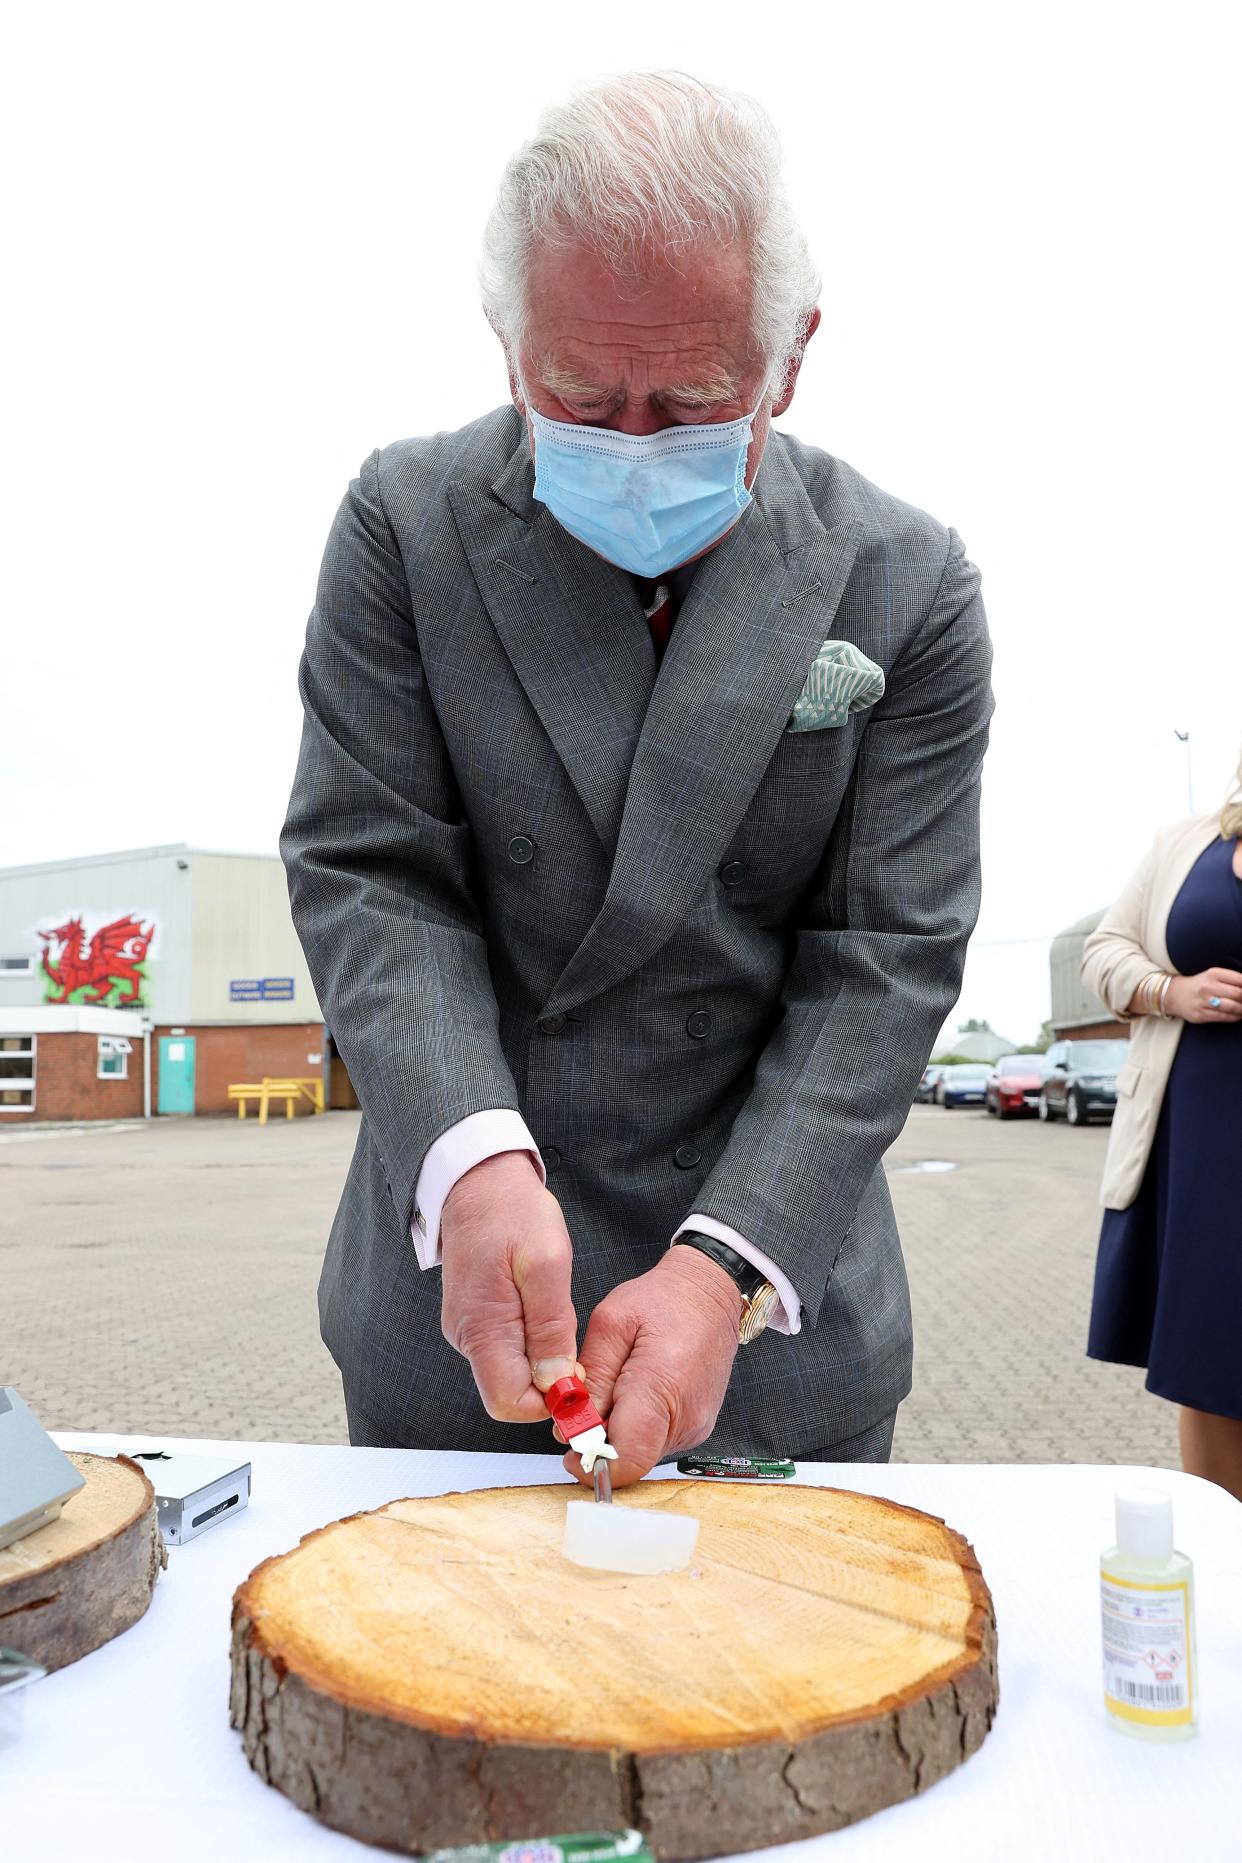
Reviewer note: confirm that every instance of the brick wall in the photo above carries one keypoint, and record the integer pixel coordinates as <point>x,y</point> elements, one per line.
<point>67,1087</point>
<point>244,1052</point>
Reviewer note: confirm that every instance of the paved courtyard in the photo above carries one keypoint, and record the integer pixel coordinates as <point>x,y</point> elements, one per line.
<point>162,1277</point>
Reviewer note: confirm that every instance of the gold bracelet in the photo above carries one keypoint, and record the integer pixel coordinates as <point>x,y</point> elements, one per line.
<point>1152,991</point>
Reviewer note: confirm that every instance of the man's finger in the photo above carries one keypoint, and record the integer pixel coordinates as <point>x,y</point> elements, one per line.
<point>545,1371</point>
<point>638,1429</point>
<point>541,1274</point>
<point>609,1338</point>
<point>502,1372</point>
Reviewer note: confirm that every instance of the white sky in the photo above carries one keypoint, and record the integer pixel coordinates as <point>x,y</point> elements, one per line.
<point>242,244</point>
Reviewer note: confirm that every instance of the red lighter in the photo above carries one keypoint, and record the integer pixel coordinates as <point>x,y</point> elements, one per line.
<point>581,1425</point>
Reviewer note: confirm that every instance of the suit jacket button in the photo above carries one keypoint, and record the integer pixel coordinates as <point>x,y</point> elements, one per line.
<point>521,849</point>
<point>551,1157</point>
<point>733,873</point>
<point>552,1025</point>
<point>687,1156</point>
<point>698,1024</point>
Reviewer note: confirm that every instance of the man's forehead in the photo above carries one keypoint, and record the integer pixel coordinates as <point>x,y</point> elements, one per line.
<point>571,285</point>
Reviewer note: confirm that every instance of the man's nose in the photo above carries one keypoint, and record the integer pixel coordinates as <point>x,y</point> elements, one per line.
<point>640,416</point>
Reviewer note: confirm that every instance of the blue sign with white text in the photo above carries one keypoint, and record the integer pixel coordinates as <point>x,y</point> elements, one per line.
<point>261,990</point>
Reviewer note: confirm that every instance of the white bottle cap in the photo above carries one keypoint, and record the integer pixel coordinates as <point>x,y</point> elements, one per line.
<point>1144,1523</point>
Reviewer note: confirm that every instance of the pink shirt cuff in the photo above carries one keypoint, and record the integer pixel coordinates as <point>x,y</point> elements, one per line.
<point>787,1318</point>
<point>478,1136</point>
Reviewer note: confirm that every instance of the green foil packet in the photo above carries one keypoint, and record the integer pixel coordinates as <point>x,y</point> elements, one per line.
<point>585,1847</point>
<point>736,1467</point>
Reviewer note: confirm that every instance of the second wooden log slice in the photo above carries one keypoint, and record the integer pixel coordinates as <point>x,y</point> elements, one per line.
<point>436,1673</point>
<point>89,1574</point>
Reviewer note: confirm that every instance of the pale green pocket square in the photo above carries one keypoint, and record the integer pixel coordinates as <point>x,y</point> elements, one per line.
<point>842,681</point>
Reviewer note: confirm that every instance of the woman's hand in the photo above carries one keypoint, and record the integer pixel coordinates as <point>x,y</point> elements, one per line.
<point>1191,997</point>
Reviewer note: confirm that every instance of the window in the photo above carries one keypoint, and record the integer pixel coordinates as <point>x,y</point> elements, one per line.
<point>1098,1057</point>
<point>114,1053</point>
<point>17,1073</point>
<point>17,966</point>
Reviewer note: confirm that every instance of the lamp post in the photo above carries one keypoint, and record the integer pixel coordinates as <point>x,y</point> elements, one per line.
<point>1183,737</point>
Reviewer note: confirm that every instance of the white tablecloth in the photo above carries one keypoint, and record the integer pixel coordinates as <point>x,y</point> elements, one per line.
<point>129,1753</point>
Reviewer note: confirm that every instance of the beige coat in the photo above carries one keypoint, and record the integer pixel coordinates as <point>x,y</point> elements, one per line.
<point>1126,946</point>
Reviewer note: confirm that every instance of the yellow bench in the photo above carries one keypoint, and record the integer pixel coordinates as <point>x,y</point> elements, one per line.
<point>241,1093</point>
<point>283,1088</point>
<point>311,1088</point>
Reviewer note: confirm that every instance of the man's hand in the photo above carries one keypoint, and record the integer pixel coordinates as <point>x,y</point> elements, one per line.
<point>657,1357</point>
<point>506,1304</point>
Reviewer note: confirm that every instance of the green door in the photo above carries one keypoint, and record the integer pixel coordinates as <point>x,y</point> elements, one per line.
<point>176,1088</point>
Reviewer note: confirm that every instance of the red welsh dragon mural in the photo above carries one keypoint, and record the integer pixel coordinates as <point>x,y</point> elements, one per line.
<point>111,956</point>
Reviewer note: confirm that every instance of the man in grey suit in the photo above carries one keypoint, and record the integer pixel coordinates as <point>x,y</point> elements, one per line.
<point>633,844</point>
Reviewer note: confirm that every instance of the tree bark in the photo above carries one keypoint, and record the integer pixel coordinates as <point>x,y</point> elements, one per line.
<point>89,1575</point>
<point>435,1673</point>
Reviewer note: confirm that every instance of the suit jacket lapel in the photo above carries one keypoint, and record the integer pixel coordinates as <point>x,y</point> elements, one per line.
<point>759,609</point>
<point>574,631</point>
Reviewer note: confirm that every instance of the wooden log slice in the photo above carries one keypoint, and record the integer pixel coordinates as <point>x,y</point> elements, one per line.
<point>89,1575</point>
<point>436,1673</point>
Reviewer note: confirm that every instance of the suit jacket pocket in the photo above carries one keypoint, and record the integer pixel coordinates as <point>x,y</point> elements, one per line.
<point>809,755</point>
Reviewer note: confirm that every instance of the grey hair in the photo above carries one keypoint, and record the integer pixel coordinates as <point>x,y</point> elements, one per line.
<point>639,168</point>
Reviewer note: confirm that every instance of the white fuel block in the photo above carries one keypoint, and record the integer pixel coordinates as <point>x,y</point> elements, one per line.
<point>627,1539</point>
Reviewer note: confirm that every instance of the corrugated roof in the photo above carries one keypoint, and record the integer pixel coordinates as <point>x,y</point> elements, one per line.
<point>133,853</point>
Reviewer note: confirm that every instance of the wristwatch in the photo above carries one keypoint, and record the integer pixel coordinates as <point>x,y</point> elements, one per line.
<point>759,1297</point>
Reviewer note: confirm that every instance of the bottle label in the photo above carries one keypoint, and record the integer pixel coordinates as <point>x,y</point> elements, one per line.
<point>1147,1651</point>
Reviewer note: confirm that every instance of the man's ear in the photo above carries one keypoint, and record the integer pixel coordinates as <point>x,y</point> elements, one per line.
<point>791,374</point>
<point>515,392</point>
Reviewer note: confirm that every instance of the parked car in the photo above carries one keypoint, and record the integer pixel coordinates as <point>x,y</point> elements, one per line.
<point>1014,1084</point>
<point>925,1092</point>
<point>963,1083</point>
<point>1080,1080</point>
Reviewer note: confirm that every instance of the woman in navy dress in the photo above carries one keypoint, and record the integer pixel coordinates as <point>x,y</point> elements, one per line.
<point>1168,1282</point>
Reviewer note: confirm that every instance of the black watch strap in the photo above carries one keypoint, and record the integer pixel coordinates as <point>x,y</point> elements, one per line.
<point>748,1278</point>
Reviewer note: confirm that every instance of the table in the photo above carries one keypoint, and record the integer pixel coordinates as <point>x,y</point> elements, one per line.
<point>130,1750</point>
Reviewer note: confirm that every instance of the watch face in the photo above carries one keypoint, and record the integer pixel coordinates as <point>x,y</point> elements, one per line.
<point>756,1312</point>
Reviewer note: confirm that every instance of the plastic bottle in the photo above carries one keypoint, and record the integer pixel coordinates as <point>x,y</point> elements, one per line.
<point>1151,1665</point>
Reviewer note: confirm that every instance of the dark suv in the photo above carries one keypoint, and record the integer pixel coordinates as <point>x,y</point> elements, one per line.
<point>1081,1079</point>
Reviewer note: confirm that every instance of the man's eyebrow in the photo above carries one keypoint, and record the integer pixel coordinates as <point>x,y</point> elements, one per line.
<point>705,393</point>
<point>564,379</point>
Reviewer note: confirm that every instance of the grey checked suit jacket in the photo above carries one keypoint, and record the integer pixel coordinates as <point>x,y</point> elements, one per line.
<point>473,674</point>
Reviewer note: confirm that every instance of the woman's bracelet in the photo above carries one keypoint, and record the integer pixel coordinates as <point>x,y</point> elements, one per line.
<point>1153,991</point>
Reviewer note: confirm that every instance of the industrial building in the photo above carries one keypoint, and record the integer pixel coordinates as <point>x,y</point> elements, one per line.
<point>149,982</point>
<point>1077,1012</point>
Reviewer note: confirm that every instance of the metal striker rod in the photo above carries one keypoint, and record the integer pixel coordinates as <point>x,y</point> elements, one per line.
<point>603,1480</point>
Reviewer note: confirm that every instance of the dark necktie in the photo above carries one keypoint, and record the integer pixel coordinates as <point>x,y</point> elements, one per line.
<point>660,606</point>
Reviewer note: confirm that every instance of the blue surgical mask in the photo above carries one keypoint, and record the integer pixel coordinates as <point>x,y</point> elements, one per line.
<point>644,501</point>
